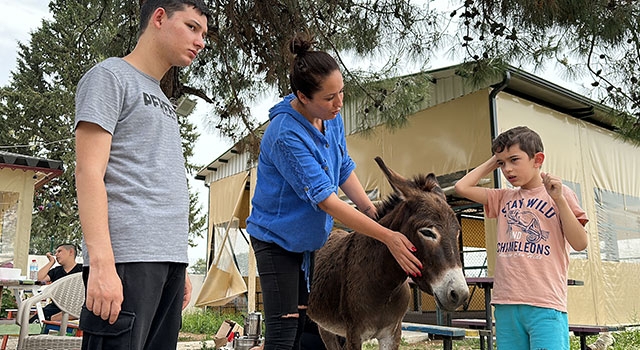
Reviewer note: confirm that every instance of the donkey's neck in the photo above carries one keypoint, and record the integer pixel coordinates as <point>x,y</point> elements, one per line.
<point>390,217</point>
<point>383,269</point>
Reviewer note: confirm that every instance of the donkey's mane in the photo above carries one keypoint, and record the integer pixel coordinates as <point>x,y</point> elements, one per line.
<point>393,199</point>
<point>387,204</point>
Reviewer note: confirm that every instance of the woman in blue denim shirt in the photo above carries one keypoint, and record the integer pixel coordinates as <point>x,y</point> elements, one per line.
<point>303,160</point>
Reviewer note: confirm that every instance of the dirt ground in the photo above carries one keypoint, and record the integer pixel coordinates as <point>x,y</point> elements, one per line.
<point>184,336</point>
<point>424,345</point>
<point>434,345</point>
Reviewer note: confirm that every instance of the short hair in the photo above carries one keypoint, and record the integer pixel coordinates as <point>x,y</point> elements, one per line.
<point>170,6</point>
<point>69,246</point>
<point>310,68</point>
<point>528,140</point>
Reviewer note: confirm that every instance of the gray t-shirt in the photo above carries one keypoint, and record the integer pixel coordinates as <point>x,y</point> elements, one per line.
<point>146,179</point>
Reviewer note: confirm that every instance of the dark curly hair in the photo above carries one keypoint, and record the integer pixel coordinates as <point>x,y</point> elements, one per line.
<point>528,140</point>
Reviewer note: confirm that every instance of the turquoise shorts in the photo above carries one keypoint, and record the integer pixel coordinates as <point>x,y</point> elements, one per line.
<point>526,327</point>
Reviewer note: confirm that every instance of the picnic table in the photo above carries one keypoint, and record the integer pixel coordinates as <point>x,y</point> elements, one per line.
<point>17,285</point>
<point>8,326</point>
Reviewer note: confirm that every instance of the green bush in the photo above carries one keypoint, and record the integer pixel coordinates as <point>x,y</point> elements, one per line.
<point>8,302</point>
<point>207,321</point>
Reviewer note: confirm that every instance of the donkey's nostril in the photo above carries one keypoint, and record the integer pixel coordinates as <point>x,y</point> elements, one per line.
<point>453,297</point>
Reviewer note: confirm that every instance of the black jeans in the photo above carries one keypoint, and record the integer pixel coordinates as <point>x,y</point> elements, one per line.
<point>151,313</point>
<point>48,311</point>
<point>283,289</point>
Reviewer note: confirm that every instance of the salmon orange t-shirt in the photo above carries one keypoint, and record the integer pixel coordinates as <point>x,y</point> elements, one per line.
<point>532,254</point>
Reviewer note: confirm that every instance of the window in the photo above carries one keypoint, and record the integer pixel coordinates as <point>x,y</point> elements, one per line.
<point>8,224</point>
<point>576,188</point>
<point>618,225</point>
<point>235,250</point>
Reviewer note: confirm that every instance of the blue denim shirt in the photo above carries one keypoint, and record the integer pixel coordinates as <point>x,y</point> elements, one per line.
<point>298,168</point>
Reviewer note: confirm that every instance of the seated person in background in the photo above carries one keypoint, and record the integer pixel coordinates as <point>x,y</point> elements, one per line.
<point>65,255</point>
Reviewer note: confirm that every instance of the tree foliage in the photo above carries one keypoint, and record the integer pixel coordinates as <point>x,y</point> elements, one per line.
<point>247,57</point>
<point>591,40</point>
<point>199,267</point>
<point>248,51</point>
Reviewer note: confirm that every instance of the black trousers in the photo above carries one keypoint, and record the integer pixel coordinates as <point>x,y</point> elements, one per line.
<point>48,311</point>
<point>283,289</point>
<point>151,314</point>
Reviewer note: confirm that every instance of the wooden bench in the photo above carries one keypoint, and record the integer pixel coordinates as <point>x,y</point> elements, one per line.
<point>477,324</point>
<point>471,323</point>
<point>447,334</point>
<point>11,330</point>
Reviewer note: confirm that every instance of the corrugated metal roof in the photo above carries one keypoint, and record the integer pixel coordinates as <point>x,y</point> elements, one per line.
<point>45,169</point>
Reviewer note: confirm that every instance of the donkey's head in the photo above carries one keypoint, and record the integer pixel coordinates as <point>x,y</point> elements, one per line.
<point>418,208</point>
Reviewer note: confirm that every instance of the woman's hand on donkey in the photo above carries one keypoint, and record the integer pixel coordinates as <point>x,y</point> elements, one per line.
<point>403,251</point>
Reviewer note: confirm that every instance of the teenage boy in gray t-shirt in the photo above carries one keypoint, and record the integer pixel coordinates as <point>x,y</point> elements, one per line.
<point>132,185</point>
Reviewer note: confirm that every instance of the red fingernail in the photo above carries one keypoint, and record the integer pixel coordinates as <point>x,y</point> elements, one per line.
<point>414,249</point>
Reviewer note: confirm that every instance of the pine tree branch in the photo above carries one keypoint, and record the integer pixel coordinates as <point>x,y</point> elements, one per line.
<point>197,92</point>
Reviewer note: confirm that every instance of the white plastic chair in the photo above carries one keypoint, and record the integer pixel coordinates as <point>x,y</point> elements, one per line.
<point>68,294</point>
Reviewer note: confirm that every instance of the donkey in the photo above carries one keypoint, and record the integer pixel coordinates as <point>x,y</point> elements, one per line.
<point>359,291</point>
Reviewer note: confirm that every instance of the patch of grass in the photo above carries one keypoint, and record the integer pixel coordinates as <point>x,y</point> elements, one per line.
<point>206,321</point>
<point>626,340</point>
<point>204,346</point>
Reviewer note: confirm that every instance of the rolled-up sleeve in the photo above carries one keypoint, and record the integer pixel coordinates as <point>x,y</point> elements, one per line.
<point>301,170</point>
<point>347,167</point>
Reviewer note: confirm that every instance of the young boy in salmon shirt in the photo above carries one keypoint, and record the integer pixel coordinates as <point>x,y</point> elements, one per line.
<point>537,220</point>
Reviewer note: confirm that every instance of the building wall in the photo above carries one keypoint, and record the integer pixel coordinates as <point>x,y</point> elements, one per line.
<point>20,181</point>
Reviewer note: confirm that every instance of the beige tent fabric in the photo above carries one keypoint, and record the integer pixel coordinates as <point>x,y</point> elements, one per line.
<point>224,282</point>
<point>221,286</point>
<point>432,141</point>
<point>22,183</point>
<point>223,195</point>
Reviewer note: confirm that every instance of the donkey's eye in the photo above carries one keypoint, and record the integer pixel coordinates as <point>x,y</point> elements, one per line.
<point>429,232</point>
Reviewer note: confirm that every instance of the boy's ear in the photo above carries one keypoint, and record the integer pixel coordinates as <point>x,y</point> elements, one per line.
<point>157,17</point>
<point>538,159</point>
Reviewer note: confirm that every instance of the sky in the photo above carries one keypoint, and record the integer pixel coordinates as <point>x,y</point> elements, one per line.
<point>17,19</point>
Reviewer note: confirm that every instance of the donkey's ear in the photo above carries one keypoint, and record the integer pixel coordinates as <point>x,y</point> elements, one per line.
<point>398,182</point>
<point>432,185</point>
